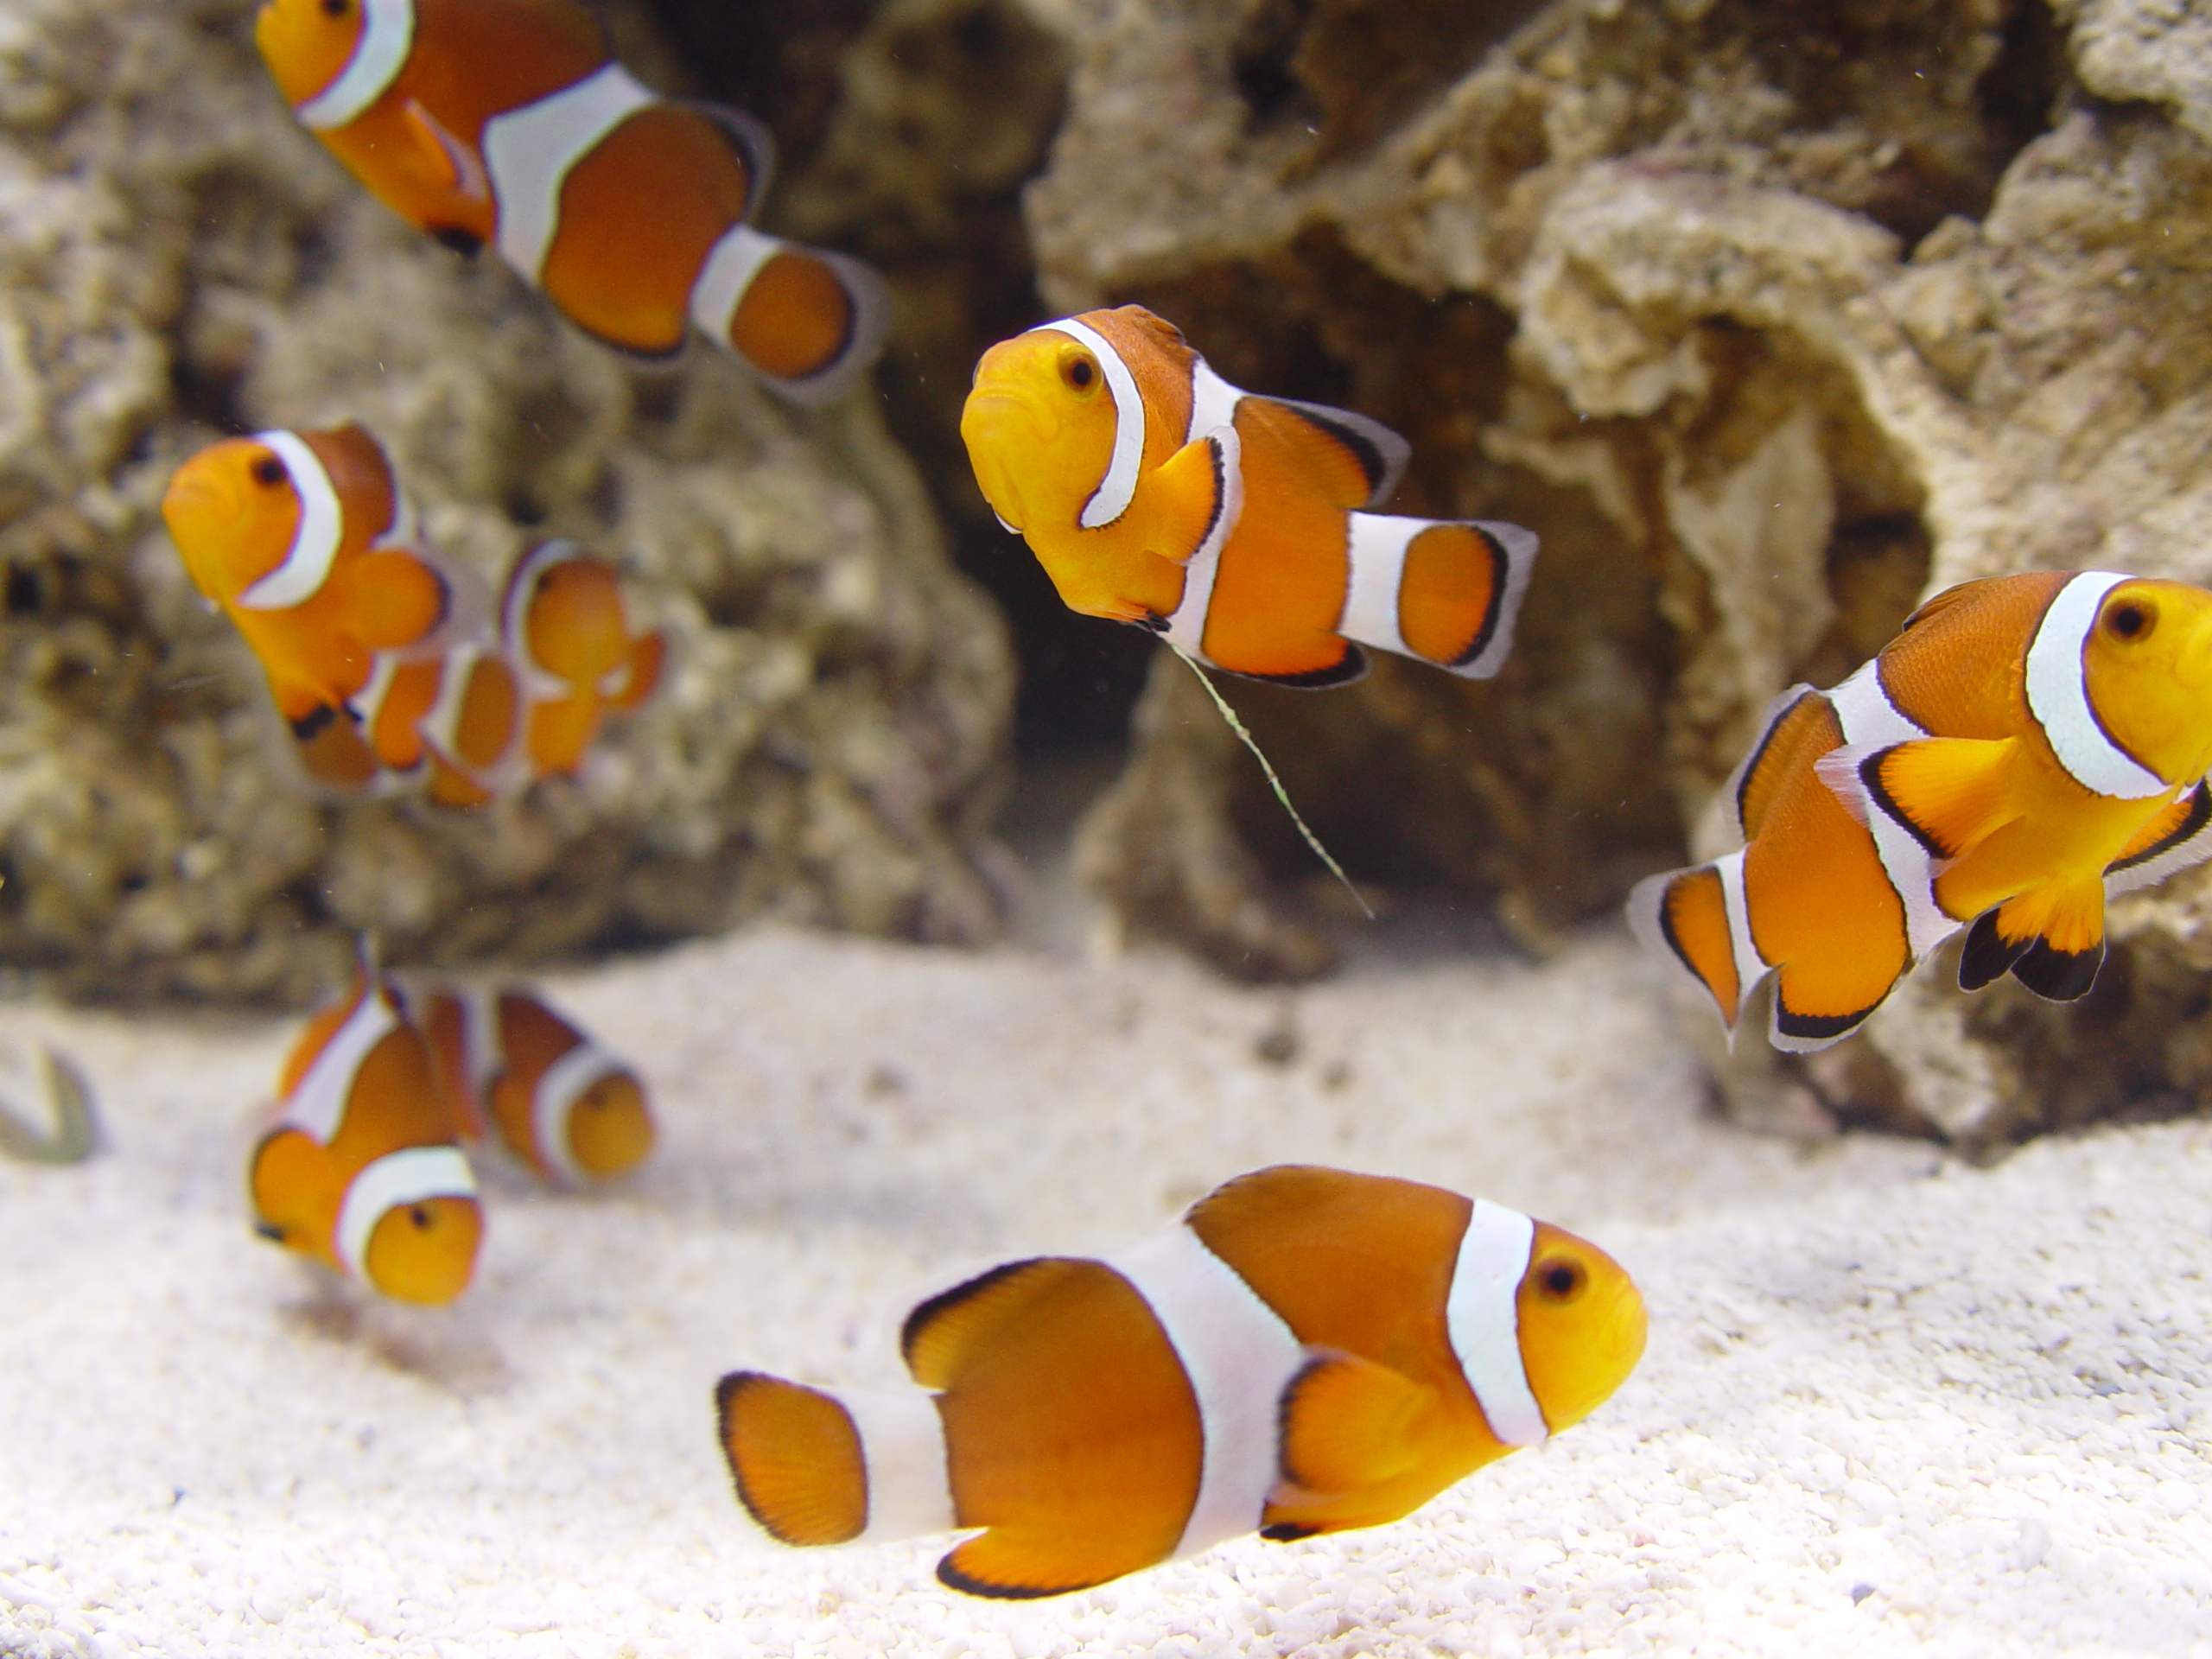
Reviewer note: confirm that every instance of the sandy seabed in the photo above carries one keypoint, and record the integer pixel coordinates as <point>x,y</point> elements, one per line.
<point>1891,1403</point>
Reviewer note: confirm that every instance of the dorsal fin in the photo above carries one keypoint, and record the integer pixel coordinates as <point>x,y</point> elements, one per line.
<point>1356,461</point>
<point>943,1333</point>
<point>1935,604</point>
<point>1784,734</point>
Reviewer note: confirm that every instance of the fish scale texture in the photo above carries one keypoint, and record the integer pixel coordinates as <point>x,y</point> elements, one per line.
<point>181,260</point>
<point>1891,1403</point>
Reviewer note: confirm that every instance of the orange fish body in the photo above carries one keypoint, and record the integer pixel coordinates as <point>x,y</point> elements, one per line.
<point>302,539</point>
<point>510,1066</point>
<point>508,123</point>
<point>2025,747</point>
<point>1154,493</point>
<point>452,718</point>
<point>360,1169</point>
<point>562,621</point>
<point>1309,1350</point>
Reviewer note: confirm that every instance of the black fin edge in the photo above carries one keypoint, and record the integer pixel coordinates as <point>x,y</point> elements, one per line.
<point>1818,1027</point>
<point>953,1579</point>
<point>1987,955</point>
<point>1501,567</point>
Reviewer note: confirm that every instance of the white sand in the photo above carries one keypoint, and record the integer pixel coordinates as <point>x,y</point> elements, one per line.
<point>1889,1403</point>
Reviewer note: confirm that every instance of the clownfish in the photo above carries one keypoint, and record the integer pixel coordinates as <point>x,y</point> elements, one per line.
<point>563,623</point>
<point>510,1066</point>
<point>361,1168</point>
<point>304,541</point>
<point>508,122</point>
<point>1308,1350</point>
<point>2026,748</point>
<point>1154,493</point>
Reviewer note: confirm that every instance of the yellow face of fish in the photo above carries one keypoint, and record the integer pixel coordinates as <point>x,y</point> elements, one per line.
<point>232,511</point>
<point>2147,664</point>
<point>609,1129</point>
<point>424,1251</point>
<point>306,42</point>
<point>1582,1326</point>
<point>1040,426</point>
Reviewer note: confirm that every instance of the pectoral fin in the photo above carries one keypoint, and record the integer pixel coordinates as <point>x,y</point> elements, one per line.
<point>1197,494</point>
<point>1951,792</point>
<point>392,598</point>
<point>1348,1424</point>
<point>2175,838</point>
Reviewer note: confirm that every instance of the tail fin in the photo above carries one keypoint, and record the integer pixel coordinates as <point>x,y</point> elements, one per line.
<point>1447,593</point>
<point>809,321</point>
<point>817,1467</point>
<point>1696,920</point>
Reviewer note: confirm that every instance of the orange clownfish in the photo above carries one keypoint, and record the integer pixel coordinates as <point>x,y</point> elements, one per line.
<point>509,1064</point>
<point>303,540</point>
<point>1307,1350</point>
<point>1154,493</point>
<point>508,122</point>
<point>563,623</point>
<point>2026,747</point>
<point>360,1169</point>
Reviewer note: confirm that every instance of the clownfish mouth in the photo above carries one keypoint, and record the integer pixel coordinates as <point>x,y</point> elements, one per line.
<point>1002,429</point>
<point>199,494</point>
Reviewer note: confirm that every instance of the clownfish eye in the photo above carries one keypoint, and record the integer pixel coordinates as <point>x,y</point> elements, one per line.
<point>1079,371</point>
<point>1561,1280</point>
<point>336,8</point>
<point>271,471</point>
<point>419,1215</point>
<point>2131,619</point>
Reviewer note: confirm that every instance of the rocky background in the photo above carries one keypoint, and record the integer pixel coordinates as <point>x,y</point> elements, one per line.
<point>178,261</point>
<point>1769,316</point>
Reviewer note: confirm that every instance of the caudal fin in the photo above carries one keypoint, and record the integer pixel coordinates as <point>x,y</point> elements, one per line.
<point>1695,919</point>
<point>1447,593</point>
<point>822,1466</point>
<point>808,322</point>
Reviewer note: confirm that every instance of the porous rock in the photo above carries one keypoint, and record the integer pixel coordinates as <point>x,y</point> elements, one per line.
<point>1769,318</point>
<point>179,259</point>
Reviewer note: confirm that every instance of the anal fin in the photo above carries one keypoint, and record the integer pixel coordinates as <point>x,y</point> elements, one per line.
<point>1026,1563</point>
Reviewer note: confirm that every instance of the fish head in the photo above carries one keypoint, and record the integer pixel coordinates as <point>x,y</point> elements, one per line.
<point>1582,1323</point>
<point>1039,425</point>
<point>233,510</point>
<point>236,509</point>
<point>2147,666</point>
<point>308,43</point>
<point>424,1251</point>
<point>609,1129</point>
